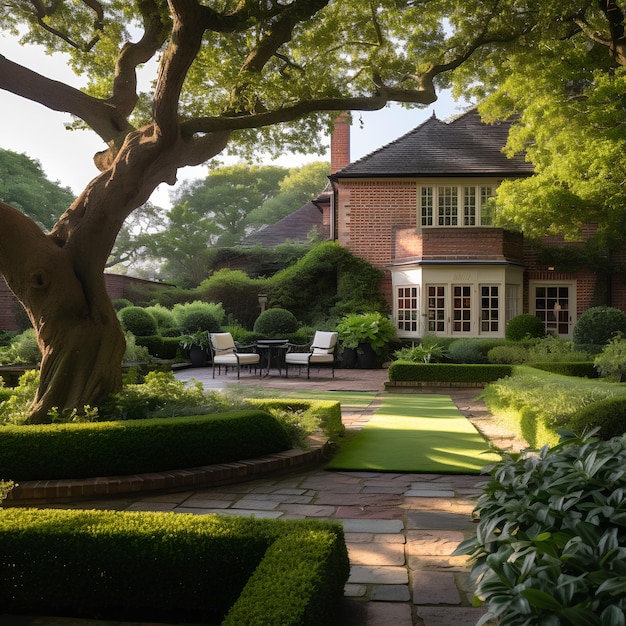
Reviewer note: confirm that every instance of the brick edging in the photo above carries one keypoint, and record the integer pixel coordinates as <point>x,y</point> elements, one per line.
<point>407,385</point>
<point>40,491</point>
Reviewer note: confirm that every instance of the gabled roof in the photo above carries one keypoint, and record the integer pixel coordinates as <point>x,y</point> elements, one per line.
<point>294,227</point>
<point>465,146</point>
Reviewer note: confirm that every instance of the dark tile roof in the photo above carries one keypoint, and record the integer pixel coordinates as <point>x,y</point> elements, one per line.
<point>293,227</point>
<point>465,146</point>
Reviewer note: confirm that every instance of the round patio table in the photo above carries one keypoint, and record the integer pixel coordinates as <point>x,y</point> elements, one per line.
<point>272,353</point>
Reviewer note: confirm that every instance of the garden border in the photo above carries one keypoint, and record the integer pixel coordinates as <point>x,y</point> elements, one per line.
<point>38,491</point>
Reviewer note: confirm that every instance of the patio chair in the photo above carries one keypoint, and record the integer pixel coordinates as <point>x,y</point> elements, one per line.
<point>321,352</point>
<point>225,351</point>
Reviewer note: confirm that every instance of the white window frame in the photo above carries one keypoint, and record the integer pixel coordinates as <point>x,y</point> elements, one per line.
<point>443,204</point>
<point>408,309</point>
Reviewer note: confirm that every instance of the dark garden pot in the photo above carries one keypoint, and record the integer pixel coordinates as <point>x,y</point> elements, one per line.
<point>349,358</point>
<point>198,356</point>
<point>366,356</point>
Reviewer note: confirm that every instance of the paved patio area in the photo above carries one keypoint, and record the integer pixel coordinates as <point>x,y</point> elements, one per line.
<point>400,528</point>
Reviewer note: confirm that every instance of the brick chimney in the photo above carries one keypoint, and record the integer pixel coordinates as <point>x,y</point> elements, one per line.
<point>340,142</point>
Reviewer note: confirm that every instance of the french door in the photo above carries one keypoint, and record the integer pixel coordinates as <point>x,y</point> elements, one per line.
<point>554,305</point>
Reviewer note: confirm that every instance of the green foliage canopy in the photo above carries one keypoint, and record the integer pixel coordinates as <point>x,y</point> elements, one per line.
<point>24,185</point>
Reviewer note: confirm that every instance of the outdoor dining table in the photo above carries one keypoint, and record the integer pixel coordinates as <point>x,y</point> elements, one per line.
<point>272,353</point>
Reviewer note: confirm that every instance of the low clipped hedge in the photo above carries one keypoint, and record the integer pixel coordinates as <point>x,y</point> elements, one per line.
<point>608,416</point>
<point>582,369</point>
<point>325,413</point>
<point>58,451</point>
<point>162,566</point>
<point>161,347</point>
<point>406,371</point>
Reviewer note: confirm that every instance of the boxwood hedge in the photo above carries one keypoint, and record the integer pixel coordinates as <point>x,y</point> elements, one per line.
<point>447,372</point>
<point>160,566</point>
<point>57,451</point>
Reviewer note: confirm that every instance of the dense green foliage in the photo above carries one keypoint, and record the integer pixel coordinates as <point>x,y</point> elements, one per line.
<point>138,321</point>
<point>406,371</point>
<point>151,566</point>
<point>611,362</point>
<point>604,419</point>
<point>197,315</point>
<point>535,404</point>
<point>524,326</point>
<point>576,368</point>
<point>137,446</point>
<point>24,185</point>
<point>598,325</point>
<point>275,323</point>
<point>372,328</point>
<point>471,350</point>
<point>550,541</point>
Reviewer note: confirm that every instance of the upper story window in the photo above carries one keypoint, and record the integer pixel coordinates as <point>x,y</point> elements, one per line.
<point>456,205</point>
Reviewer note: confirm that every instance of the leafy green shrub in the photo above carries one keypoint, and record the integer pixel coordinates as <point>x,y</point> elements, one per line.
<point>137,321</point>
<point>577,368</point>
<point>137,446</point>
<point>158,346</point>
<point>324,415</point>
<point>155,566</point>
<point>15,409</point>
<point>611,362</point>
<point>165,320</point>
<point>6,337</point>
<point>194,316</point>
<point>508,354</point>
<point>549,546</point>
<point>275,323</point>
<point>446,372</point>
<point>607,416</point>
<point>237,293</point>
<point>524,326</point>
<point>134,352</point>
<point>372,328</point>
<point>598,325</point>
<point>472,350</point>
<point>25,349</point>
<point>420,353</point>
<point>535,404</point>
<point>121,303</point>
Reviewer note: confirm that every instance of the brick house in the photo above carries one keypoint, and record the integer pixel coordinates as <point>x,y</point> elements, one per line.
<point>418,208</point>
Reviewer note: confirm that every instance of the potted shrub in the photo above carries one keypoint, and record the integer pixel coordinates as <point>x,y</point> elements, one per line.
<point>368,334</point>
<point>197,345</point>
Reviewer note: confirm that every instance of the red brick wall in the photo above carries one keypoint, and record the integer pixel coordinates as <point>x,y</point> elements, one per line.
<point>115,283</point>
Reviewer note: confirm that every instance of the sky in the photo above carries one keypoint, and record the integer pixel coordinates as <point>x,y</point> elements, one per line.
<point>66,156</point>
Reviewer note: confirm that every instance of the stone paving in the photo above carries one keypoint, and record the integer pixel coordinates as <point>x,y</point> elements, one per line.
<point>401,529</point>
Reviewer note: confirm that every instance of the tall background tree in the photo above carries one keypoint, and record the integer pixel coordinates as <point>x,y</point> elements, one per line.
<point>234,75</point>
<point>24,185</point>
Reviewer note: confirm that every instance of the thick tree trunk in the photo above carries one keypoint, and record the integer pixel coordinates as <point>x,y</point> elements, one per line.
<point>78,332</point>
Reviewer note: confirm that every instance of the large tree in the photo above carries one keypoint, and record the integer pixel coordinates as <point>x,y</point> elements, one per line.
<point>564,87</point>
<point>249,74</point>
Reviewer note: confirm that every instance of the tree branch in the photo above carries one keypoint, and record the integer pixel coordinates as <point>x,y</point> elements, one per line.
<point>156,32</point>
<point>57,96</point>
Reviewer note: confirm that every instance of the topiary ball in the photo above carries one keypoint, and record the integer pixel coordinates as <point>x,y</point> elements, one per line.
<point>524,326</point>
<point>608,415</point>
<point>138,321</point>
<point>598,325</point>
<point>276,323</point>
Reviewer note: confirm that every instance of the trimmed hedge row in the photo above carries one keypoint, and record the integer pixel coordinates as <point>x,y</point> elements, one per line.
<point>57,451</point>
<point>155,566</point>
<point>447,372</point>
<point>326,413</point>
<point>161,347</point>
<point>582,369</point>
